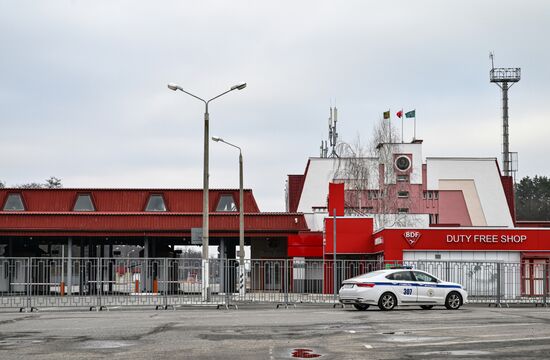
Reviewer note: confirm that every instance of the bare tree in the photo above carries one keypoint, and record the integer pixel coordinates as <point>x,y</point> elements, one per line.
<point>368,175</point>
<point>191,253</point>
<point>51,183</point>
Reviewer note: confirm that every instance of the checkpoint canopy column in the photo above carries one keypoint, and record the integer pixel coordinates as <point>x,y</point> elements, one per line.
<point>222,260</point>
<point>231,267</point>
<point>69,265</point>
<point>145,271</point>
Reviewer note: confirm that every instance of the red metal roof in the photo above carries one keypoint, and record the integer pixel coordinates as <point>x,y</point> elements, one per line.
<point>165,224</point>
<point>121,212</point>
<point>125,200</point>
<point>295,187</point>
<point>508,186</point>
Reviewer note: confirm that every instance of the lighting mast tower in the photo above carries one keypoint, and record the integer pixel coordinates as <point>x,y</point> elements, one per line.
<point>504,78</point>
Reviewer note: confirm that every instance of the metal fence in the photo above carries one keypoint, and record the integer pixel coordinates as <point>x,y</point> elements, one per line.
<point>98,283</point>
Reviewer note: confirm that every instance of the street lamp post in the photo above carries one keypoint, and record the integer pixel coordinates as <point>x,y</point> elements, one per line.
<point>205,239</point>
<point>242,288</point>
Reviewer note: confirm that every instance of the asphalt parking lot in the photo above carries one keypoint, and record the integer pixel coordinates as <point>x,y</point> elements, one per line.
<point>263,332</point>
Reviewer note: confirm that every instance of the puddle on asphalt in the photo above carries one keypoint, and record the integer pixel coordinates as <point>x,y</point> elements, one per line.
<point>104,344</point>
<point>304,354</point>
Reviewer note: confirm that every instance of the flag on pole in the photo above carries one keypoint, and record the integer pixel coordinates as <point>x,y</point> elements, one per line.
<point>411,114</point>
<point>386,115</point>
<point>400,113</point>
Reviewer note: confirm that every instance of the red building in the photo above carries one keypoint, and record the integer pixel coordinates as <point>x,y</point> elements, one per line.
<point>36,222</point>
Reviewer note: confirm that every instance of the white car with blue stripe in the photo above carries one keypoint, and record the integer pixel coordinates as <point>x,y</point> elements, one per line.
<point>401,287</point>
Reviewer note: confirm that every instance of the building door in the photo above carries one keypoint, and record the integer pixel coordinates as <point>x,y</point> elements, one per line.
<point>533,276</point>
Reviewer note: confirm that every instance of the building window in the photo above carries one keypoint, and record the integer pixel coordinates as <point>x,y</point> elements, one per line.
<point>430,194</point>
<point>436,195</point>
<point>14,202</point>
<point>403,194</point>
<point>402,211</point>
<point>374,194</point>
<point>226,203</point>
<point>403,178</point>
<point>84,203</point>
<point>156,203</point>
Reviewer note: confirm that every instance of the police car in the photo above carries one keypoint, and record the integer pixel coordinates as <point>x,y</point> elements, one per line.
<point>402,286</point>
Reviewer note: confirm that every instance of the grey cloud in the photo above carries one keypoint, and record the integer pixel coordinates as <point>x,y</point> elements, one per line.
<point>83,84</point>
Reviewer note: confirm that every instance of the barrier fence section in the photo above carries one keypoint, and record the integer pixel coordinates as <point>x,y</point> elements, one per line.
<point>98,283</point>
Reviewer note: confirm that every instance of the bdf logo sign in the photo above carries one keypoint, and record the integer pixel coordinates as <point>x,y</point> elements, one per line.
<point>412,237</point>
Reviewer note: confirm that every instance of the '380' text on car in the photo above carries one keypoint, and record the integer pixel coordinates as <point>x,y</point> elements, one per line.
<point>392,287</point>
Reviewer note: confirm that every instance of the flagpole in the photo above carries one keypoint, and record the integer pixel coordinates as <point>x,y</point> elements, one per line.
<point>414,138</point>
<point>389,123</point>
<point>402,136</point>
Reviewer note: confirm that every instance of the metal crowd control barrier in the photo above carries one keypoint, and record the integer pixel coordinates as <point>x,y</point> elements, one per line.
<point>166,283</point>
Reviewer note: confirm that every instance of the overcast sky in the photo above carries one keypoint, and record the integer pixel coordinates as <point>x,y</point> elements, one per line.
<point>83,91</point>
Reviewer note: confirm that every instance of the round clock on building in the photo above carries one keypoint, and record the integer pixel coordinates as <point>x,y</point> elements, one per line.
<point>402,163</point>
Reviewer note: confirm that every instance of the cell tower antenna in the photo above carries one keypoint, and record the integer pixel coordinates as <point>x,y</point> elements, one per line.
<point>505,78</point>
<point>332,133</point>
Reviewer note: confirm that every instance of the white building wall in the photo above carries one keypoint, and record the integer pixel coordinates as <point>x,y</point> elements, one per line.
<point>315,191</point>
<point>316,221</point>
<point>319,173</point>
<point>504,256</point>
<point>486,177</point>
<point>415,150</point>
<point>401,220</point>
<point>485,197</point>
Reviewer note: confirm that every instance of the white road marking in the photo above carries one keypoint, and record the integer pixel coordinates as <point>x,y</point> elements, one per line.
<point>352,331</point>
<point>476,341</point>
<point>368,346</point>
<point>469,326</point>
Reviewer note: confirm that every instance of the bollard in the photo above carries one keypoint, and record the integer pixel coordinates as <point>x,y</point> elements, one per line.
<point>136,288</point>
<point>155,286</point>
<point>62,288</point>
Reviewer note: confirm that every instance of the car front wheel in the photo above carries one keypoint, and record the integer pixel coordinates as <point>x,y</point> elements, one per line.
<point>361,307</point>
<point>453,301</point>
<point>387,301</point>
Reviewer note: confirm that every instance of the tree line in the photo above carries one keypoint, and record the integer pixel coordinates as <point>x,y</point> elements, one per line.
<point>533,198</point>
<point>532,195</point>
<point>51,183</point>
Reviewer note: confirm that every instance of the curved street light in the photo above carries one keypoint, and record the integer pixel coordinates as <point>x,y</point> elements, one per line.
<point>205,238</point>
<point>241,215</point>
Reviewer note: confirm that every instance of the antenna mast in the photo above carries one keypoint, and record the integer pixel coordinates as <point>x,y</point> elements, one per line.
<point>505,78</point>
<point>332,133</point>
